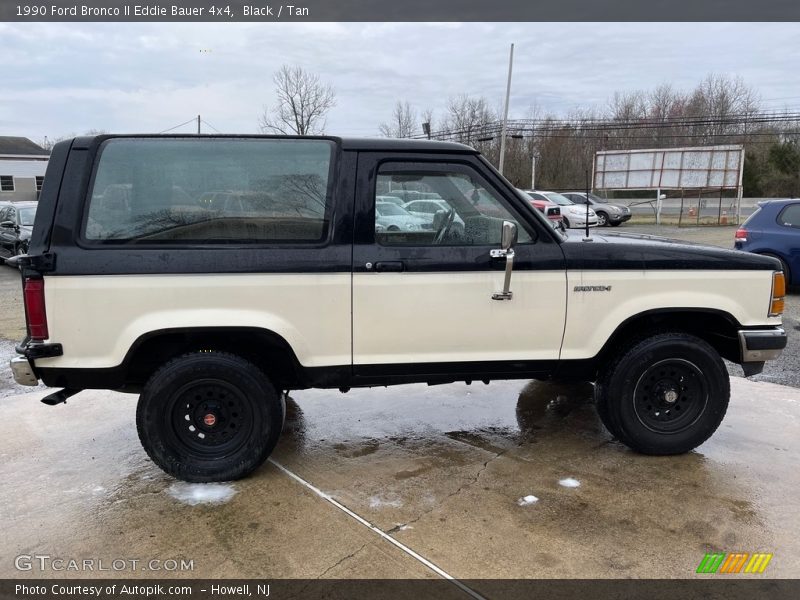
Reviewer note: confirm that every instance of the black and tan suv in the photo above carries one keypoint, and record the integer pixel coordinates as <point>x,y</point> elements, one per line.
<point>137,280</point>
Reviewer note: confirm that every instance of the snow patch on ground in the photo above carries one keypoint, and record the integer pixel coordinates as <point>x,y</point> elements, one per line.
<point>527,500</point>
<point>202,493</point>
<point>569,482</point>
<point>378,502</point>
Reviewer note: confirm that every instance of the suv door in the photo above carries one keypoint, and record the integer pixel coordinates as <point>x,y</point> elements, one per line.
<point>421,304</point>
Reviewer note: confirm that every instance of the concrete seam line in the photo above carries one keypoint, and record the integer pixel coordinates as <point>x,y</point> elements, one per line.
<point>379,531</point>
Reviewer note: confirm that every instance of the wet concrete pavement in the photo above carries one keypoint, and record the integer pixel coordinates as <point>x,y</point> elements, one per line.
<point>439,469</point>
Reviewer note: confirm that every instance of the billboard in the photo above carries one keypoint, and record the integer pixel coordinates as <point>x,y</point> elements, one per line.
<point>718,167</point>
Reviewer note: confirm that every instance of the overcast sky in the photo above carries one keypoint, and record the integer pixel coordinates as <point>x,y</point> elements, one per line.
<point>60,79</point>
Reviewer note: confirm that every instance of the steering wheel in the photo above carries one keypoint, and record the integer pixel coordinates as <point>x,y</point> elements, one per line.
<point>445,228</point>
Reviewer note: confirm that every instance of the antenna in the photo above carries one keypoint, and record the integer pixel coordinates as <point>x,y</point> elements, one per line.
<point>587,204</point>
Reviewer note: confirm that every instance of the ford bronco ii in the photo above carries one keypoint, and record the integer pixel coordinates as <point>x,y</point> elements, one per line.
<point>209,273</point>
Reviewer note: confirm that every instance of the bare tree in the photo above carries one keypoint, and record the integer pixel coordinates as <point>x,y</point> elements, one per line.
<point>403,123</point>
<point>468,117</point>
<point>303,103</point>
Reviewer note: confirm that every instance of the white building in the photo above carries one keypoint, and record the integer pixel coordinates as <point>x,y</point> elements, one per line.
<point>22,167</point>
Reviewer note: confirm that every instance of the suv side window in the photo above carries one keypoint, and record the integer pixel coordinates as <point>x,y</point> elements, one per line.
<point>210,191</point>
<point>790,216</point>
<point>468,214</point>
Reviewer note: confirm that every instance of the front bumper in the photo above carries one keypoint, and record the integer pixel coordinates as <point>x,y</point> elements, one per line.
<point>619,218</point>
<point>758,345</point>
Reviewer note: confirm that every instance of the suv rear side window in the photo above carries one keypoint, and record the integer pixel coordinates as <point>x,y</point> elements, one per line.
<point>790,216</point>
<point>210,190</point>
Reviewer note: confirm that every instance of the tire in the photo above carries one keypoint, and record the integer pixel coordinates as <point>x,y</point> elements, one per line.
<point>21,250</point>
<point>666,395</point>
<point>617,224</point>
<point>209,416</point>
<point>393,228</point>
<point>566,222</point>
<point>602,219</point>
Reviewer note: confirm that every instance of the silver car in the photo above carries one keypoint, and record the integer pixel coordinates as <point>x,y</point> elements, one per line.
<point>395,218</point>
<point>607,213</point>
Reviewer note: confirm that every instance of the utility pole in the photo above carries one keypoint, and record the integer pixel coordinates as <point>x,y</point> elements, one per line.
<point>505,112</point>
<point>198,124</point>
<point>533,170</point>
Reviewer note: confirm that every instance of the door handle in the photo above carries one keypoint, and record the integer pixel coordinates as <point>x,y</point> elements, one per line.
<point>389,266</point>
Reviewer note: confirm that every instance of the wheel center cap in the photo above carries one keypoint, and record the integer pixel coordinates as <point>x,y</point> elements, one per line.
<point>210,419</point>
<point>670,396</point>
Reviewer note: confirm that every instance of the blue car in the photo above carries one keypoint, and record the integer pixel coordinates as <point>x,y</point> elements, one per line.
<point>774,230</point>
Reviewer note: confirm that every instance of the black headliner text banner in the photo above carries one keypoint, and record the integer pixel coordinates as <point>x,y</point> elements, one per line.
<point>398,10</point>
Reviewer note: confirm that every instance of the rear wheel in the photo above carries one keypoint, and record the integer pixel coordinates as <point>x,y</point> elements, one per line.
<point>209,416</point>
<point>566,222</point>
<point>666,395</point>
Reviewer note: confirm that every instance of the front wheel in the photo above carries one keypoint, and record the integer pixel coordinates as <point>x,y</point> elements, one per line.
<point>665,395</point>
<point>209,416</point>
<point>565,221</point>
<point>602,219</point>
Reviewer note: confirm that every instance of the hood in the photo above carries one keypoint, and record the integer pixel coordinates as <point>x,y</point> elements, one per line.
<point>638,251</point>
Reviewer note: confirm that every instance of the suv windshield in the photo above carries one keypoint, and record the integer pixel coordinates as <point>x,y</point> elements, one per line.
<point>598,199</point>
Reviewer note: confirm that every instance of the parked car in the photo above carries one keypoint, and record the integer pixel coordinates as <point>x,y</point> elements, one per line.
<point>16,225</point>
<point>774,230</point>
<point>549,209</point>
<point>211,321</point>
<point>396,218</point>
<point>607,213</point>
<point>427,209</point>
<point>573,215</point>
<point>393,199</point>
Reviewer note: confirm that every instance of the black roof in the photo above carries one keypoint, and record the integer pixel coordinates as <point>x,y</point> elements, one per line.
<point>347,143</point>
<point>20,145</point>
<point>402,144</point>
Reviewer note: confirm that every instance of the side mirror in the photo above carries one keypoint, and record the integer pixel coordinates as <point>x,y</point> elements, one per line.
<point>8,224</point>
<point>508,236</point>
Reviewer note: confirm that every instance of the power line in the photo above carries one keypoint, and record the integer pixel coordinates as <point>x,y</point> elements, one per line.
<point>193,119</point>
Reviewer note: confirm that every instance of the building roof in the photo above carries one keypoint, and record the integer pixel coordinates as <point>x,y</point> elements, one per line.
<point>19,146</point>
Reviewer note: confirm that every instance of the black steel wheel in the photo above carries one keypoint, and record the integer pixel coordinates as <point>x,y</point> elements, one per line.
<point>209,416</point>
<point>670,396</point>
<point>666,394</point>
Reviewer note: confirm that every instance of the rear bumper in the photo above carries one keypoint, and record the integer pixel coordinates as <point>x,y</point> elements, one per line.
<point>22,366</point>
<point>758,345</point>
<point>23,371</point>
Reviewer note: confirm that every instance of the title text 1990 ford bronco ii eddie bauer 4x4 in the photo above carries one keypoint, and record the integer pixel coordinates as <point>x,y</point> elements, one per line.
<point>210,273</point>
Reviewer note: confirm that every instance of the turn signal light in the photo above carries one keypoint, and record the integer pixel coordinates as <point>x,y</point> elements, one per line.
<point>778,293</point>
